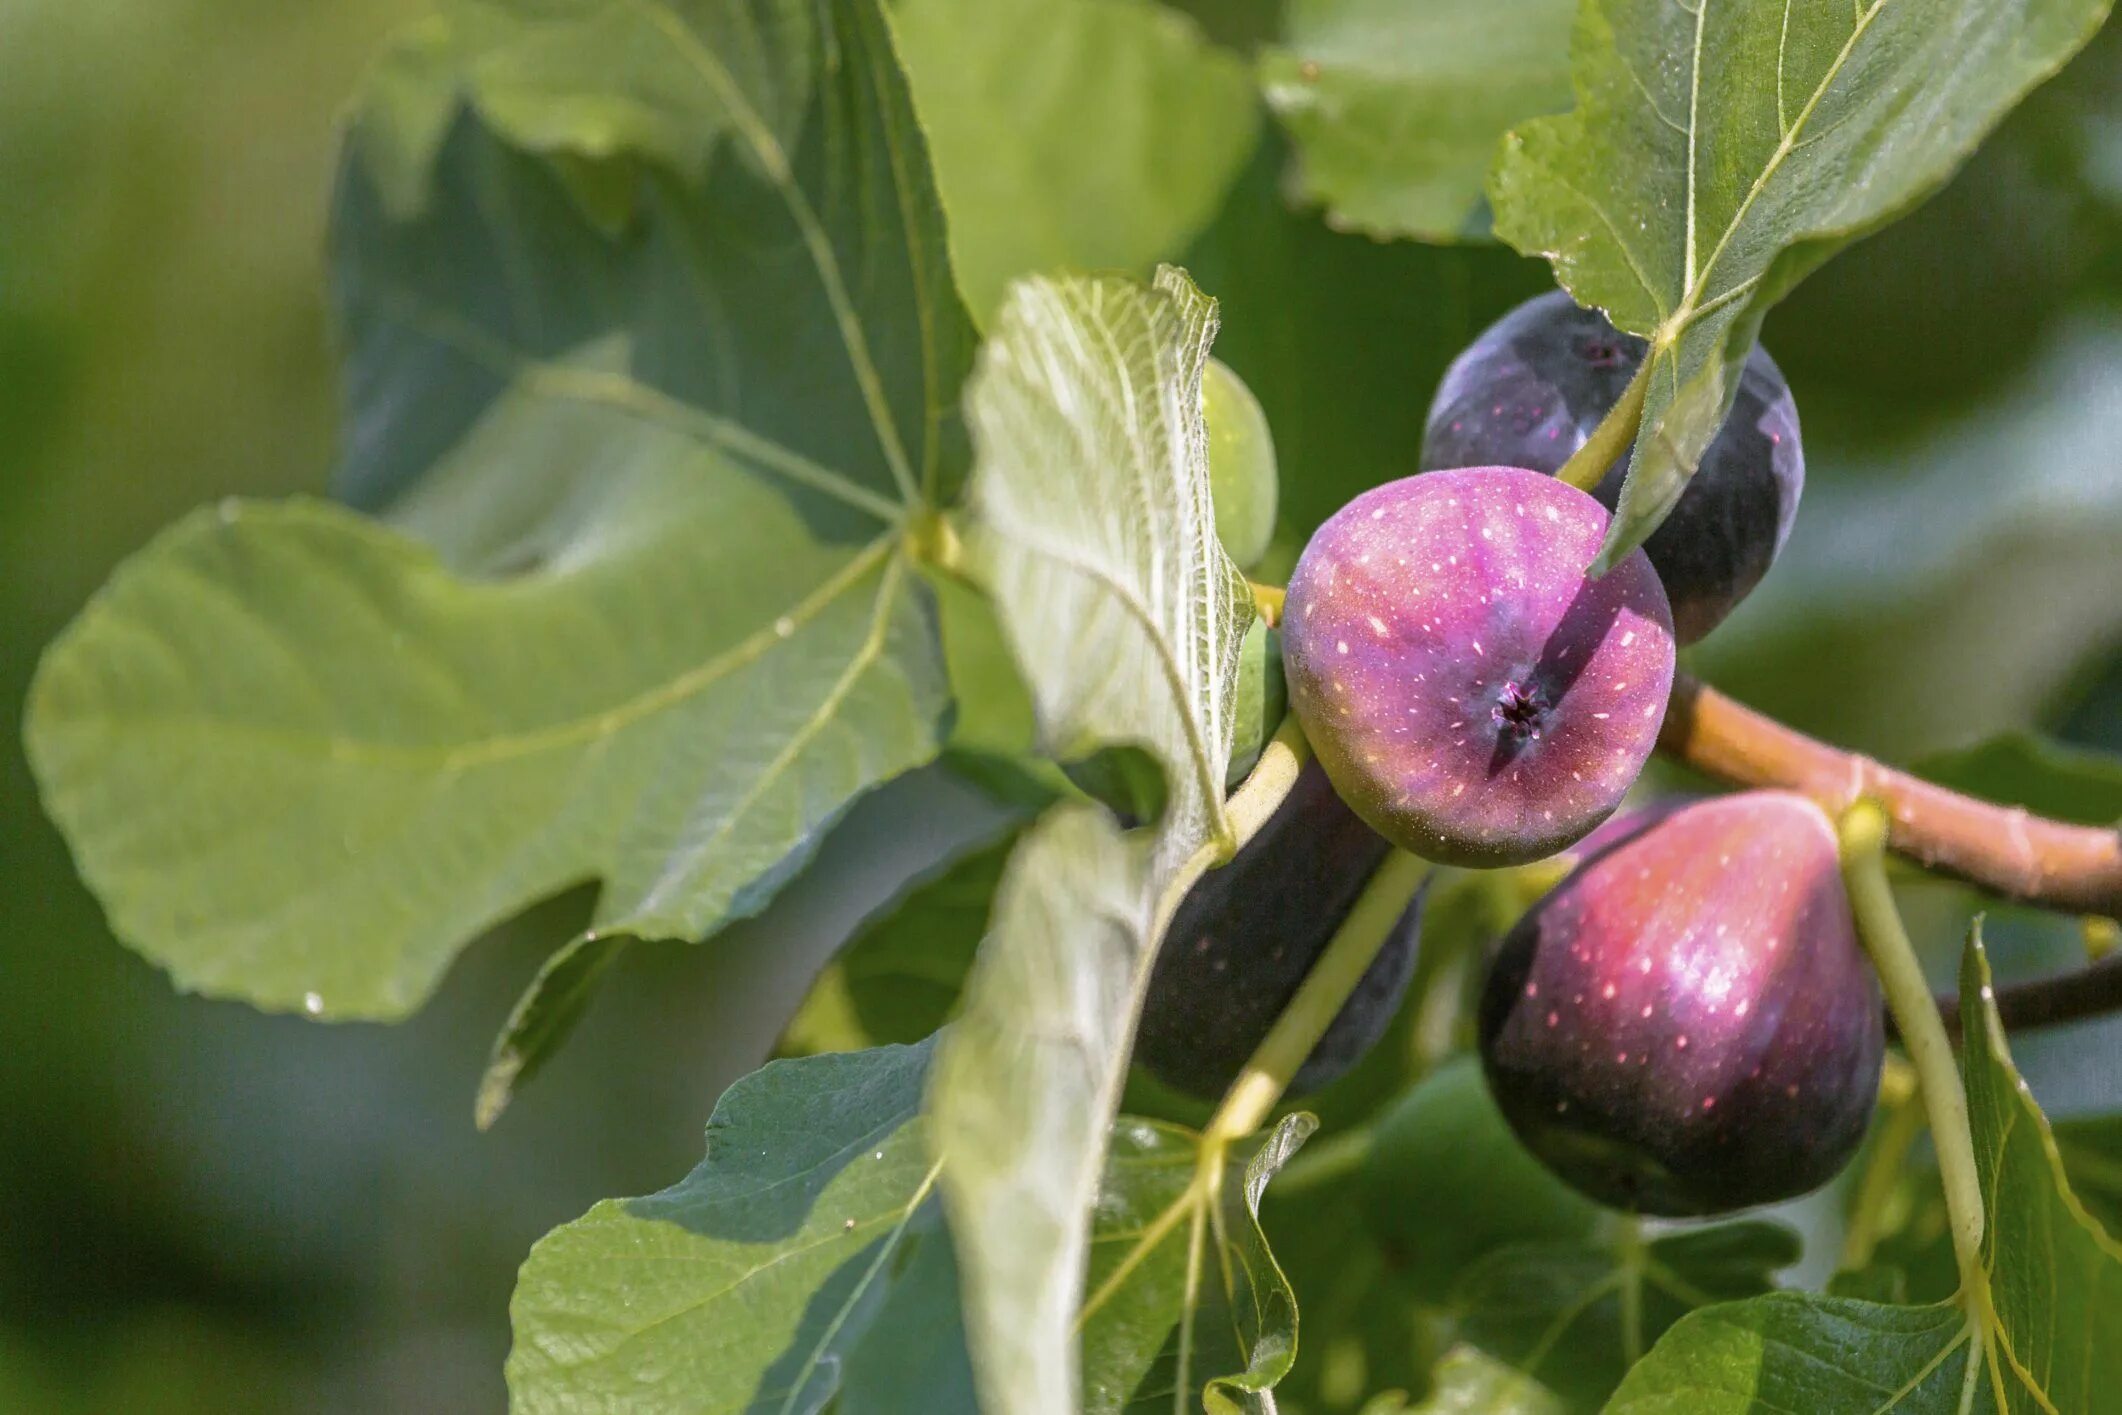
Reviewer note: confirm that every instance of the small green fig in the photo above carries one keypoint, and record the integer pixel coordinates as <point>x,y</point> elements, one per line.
<point>1241,464</point>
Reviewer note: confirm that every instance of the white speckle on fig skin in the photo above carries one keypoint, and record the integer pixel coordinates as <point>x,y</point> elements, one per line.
<point>1752,1066</point>
<point>1507,716</point>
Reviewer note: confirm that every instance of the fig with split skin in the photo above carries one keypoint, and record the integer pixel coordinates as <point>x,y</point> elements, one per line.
<point>1530,390</point>
<point>1687,1024</point>
<point>1472,693</point>
<point>1243,939</point>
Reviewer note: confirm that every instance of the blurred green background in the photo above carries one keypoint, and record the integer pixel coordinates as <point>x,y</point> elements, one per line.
<point>208,1209</point>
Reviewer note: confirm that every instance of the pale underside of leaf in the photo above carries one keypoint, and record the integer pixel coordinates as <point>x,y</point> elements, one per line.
<point>1092,528</point>
<point>1026,1080</point>
<point>1186,1302</point>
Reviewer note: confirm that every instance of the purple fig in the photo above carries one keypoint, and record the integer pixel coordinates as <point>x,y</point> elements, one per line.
<point>1687,1024</point>
<point>1473,695</point>
<point>1535,383</point>
<point>1246,935</point>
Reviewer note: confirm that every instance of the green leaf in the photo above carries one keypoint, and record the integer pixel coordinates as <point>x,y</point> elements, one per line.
<point>2055,1277</point>
<point>2091,1147</point>
<point>1361,1332</point>
<point>788,1262</point>
<point>672,81</point>
<point>1025,1084</point>
<point>898,979</point>
<point>1185,1300</point>
<point>1718,154</point>
<point>994,711</point>
<point>1123,778</point>
<point>1562,1311</point>
<point>2046,777</point>
<point>542,1019</point>
<point>1480,1189</point>
<point>2043,1334</point>
<point>647,613</point>
<point>1092,526</point>
<point>1396,106</point>
<point>1797,1351</point>
<point>1470,1383</point>
<point>1340,337</point>
<point>1109,150</point>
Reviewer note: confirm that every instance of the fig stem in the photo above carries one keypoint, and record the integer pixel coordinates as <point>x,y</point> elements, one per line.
<point>1589,464</point>
<point>1245,810</point>
<point>1318,1001</point>
<point>1629,1254</point>
<point>2011,852</point>
<point>1267,602</point>
<point>1863,832</point>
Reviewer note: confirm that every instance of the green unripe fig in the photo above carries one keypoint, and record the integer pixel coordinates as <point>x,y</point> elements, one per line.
<point>1447,1182</point>
<point>1261,703</point>
<point>1241,464</point>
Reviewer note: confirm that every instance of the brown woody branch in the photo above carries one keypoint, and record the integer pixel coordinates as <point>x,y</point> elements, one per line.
<point>2044,1002</point>
<point>2003,849</point>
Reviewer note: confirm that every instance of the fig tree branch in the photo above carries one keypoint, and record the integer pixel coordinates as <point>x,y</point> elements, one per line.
<point>2093,991</point>
<point>2003,849</point>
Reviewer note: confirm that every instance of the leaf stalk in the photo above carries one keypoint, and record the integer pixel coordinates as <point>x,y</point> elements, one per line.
<point>1589,464</point>
<point>1340,968</point>
<point>1863,831</point>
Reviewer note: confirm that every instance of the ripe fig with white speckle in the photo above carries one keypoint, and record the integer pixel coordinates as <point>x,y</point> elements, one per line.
<point>1530,390</point>
<point>1474,696</point>
<point>1687,1024</point>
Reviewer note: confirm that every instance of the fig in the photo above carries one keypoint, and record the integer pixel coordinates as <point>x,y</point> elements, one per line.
<point>1687,1024</point>
<point>1241,464</point>
<point>1471,693</point>
<point>1530,389</point>
<point>1244,937</point>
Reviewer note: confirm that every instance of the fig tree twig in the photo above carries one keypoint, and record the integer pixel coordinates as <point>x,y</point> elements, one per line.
<point>2045,1002</point>
<point>2003,849</point>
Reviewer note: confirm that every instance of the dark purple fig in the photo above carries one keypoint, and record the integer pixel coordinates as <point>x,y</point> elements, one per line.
<point>1472,694</point>
<point>1244,937</point>
<point>1687,1024</point>
<point>1531,388</point>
